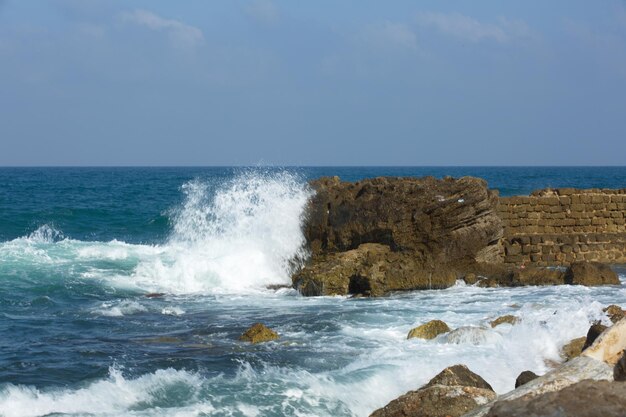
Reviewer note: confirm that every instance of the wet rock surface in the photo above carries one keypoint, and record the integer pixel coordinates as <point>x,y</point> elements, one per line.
<point>258,333</point>
<point>590,274</point>
<point>453,392</point>
<point>524,378</point>
<point>429,330</point>
<point>584,399</point>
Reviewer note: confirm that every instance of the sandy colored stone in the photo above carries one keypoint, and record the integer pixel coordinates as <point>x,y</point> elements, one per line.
<point>573,348</point>
<point>258,333</point>
<point>429,330</point>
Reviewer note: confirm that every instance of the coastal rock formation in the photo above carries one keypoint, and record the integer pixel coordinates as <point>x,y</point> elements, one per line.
<point>590,274</point>
<point>386,234</point>
<point>258,333</point>
<point>453,392</point>
<point>594,331</point>
<point>583,399</point>
<point>429,330</point>
<point>371,269</point>
<point>600,362</point>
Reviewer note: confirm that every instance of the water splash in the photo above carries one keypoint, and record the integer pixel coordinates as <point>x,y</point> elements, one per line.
<point>245,235</point>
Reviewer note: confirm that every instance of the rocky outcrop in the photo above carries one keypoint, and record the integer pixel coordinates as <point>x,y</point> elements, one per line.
<point>599,362</point>
<point>593,333</point>
<point>258,333</point>
<point>583,399</point>
<point>371,269</point>
<point>453,392</point>
<point>590,274</point>
<point>429,330</point>
<point>386,234</point>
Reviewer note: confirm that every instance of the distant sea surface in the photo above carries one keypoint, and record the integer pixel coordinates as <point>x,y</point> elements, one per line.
<point>81,247</point>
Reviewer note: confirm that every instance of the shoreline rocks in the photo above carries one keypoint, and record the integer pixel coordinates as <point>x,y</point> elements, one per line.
<point>451,393</point>
<point>381,235</point>
<point>429,330</point>
<point>259,333</point>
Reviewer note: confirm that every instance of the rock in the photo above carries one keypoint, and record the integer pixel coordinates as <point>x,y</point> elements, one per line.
<point>510,319</point>
<point>598,362</point>
<point>429,330</point>
<point>594,331</point>
<point>453,392</point>
<point>590,274</point>
<point>584,399</point>
<point>388,234</point>
<point>258,333</point>
<point>574,348</point>
<point>458,375</point>
<point>472,335</point>
<point>524,378</point>
<point>444,219</point>
<point>372,269</point>
<point>615,313</point>
<point>502,275</point>
<point>436,401</point>
<point>470,278</point>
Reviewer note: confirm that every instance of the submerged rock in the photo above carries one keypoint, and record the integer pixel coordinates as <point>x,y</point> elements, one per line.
<point>453,392</point>
<point>590,274</point>
<point>524,378</point>
<point>429,330</point>
<point>258,333</point>
<point>509,319</point>
<point>584,399</point>
<point>472,335</point>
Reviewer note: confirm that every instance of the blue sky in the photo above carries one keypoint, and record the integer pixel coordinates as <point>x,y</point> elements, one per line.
<point>90,82</point>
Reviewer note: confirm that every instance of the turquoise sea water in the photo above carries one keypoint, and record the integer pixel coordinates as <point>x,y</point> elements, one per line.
<point>81,247</point>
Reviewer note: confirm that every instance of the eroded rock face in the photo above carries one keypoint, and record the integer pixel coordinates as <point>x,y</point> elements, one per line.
<point>438,219</point>
<point>387,234</point>
<point>615,313</point>
<point>583,399</point>
<point>453,392</point>
<point>573,348</point>
<point>372,269</point>
<point>590,274</point>
<point>258,333</point>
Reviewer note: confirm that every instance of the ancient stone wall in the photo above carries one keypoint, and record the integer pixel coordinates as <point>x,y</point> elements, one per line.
<point>556,227</point>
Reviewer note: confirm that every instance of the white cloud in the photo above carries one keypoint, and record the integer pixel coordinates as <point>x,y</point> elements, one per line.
<point>390,34</point>
<point>470,29</point>
<point>264,11</point>
<point>181,33</point>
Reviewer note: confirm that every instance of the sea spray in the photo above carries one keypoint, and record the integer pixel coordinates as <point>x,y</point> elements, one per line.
<point>244,235</point>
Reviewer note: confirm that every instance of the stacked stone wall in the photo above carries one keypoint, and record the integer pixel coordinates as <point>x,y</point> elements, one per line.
<point>557,227</point>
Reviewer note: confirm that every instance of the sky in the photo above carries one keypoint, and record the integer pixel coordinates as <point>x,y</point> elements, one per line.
<point>324,82</point>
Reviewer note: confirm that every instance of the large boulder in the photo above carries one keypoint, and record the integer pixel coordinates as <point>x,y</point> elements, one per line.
<point>584,399</point>
<point>371,269</point>
<point>614,312</point>
<point>602,361</point>
<point>573,348</point>
<point>508,319</point>
<point>443,220</point>
<point>429,330</point>
<point>524,378</point>
<point>387,234</point>
<point>452,393</point>
<point>458,375</point>
<point>590,274</point>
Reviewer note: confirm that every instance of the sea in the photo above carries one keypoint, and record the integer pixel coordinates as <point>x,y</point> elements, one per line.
<point>81,248</point>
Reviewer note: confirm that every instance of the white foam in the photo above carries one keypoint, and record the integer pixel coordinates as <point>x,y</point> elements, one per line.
<point>119,308</point>
<point>245,235</point>
<point>115,395</point>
